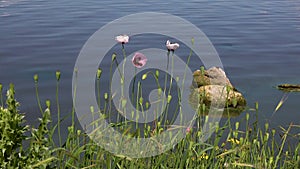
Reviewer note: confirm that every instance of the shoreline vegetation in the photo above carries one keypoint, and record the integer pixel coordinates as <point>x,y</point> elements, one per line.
<point>231,145</point>
<point>253,147</point>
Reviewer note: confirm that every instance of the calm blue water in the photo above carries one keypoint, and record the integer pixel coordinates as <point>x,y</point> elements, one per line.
<point>258,43</point>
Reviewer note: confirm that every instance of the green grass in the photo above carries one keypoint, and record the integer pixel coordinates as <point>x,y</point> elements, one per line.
<point>229,147</point>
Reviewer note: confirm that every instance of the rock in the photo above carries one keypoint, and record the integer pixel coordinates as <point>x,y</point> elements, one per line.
<point>214,76</point>
<point>289,87</point>
<point>213,86</point>
<point>215,93</point>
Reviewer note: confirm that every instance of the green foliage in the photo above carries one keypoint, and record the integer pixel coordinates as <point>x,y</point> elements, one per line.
<point>12,137</point>
<point>12,133</point>
<point>39,148</point>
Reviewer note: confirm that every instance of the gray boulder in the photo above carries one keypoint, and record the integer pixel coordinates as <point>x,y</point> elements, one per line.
<point>212,76</point>
<point>213,86</point>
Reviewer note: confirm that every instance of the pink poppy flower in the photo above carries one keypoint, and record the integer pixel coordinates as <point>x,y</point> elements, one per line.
<point>139,60</point>
<point>122,39</point>
<point>188,130</point>
<point>172,46</point>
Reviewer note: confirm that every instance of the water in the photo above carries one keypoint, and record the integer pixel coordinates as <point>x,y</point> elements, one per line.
<point>258,43</point>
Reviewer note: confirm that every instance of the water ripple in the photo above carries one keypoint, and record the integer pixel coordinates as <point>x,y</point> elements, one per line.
<point>6,3</point>
<point>257,40</point>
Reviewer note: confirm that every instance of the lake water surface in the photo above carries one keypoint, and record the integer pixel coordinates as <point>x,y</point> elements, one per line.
<point>258,43</point>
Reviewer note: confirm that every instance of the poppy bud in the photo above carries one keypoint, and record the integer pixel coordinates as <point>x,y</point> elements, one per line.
<point>36,78</point>
<point>144,76</point>
<point>99,72</point>
<point>48,103</point>
<point>113,57</point>
<point>157,73</point>
<point>57,73</point>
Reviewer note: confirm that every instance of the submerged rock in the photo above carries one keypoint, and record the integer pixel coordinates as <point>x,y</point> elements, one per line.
<point>213,86</point>
<point>289,87</point>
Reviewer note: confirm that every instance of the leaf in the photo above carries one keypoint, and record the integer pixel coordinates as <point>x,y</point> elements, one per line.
<point>282,100</point>
<point>44,162</point>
